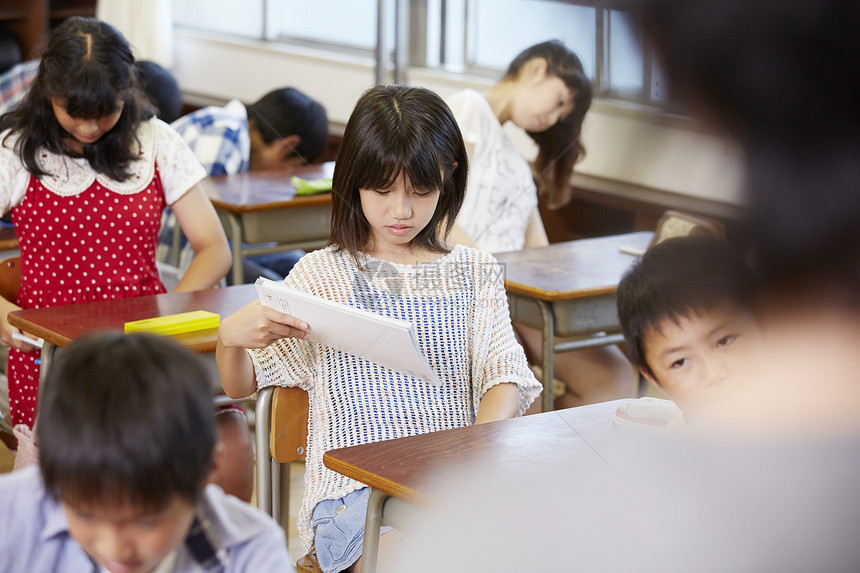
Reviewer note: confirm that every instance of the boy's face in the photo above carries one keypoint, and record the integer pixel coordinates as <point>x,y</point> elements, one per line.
<point>694,361</point>
<point>126,538</point>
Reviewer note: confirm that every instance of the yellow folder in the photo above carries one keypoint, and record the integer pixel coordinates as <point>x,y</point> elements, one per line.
<point>176,323</point>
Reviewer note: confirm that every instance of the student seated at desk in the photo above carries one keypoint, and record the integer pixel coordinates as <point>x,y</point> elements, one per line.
<point>127,442</point>
<point>685,309</point>
<point>547,93</point>
<point>399,180</point>
<point>284,128</point>
<point>87,171</point>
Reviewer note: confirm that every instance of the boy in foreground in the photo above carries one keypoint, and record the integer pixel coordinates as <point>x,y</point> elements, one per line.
<point>685,311</point>
<point>127,439</point>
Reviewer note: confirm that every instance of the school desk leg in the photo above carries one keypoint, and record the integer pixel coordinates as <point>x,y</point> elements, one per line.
<point>236,242</point>
<point>548,350</point>
<point>45,360</point>
<point>372,523</point>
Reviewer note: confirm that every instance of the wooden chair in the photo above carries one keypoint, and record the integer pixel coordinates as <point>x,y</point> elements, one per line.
<point>10,277</point>
<point>680,224</point>
<point>282,438</point>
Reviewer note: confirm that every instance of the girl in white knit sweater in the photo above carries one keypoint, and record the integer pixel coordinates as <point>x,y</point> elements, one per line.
<point>399,181</point>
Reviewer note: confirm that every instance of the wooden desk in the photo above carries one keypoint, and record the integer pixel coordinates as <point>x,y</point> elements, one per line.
<point>568,290</point>
<point>58,326</point>
<point>398,470</point>
<point>262,207</point>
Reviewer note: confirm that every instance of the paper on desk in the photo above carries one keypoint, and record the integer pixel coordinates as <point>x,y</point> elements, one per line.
<point>389,342</point>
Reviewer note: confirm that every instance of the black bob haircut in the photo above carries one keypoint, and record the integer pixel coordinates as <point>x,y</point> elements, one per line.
<point>392,130</point>
<point>675,279</point>
<point>126,418</point>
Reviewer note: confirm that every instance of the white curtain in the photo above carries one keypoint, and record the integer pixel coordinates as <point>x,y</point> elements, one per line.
<point>146,24</point>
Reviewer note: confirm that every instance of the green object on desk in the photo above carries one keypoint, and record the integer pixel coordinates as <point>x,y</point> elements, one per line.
<point>310,186</point>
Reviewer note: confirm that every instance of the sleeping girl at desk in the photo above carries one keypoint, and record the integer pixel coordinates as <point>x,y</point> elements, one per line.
<point>547,93</point>
<point>399,180</point>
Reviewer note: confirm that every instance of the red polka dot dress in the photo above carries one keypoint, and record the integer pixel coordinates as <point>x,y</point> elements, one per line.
<point>83,246</point>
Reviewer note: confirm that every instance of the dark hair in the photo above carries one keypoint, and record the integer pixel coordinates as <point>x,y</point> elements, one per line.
<point>674,279</point>
<point>89,64</point>
<point>559,146</point>
<point>161,88</point>
<point>779,77</point>
<point>392,130</point>
<point>126,418</point>
<point>287,111</point>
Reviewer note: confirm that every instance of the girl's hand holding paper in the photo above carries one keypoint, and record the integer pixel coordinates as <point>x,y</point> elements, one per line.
<point>257,326</point>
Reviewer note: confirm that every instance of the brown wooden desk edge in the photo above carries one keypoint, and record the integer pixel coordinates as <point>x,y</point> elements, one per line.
<point>387,486</point>
<point>37,330</point>
<point>554,295</point>
<point>203,341</point>
<point>292,203</point>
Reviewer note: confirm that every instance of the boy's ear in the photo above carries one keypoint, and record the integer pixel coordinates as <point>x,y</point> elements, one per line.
<point>650,378</point>
<point>287,144</point>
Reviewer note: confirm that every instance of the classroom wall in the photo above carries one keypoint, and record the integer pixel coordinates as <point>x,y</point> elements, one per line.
<point>625,145</point>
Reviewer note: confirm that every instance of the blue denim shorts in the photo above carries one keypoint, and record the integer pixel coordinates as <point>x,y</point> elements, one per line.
<point>339,530</point>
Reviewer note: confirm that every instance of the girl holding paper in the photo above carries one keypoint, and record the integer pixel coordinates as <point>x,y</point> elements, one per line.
<point>399,181</point>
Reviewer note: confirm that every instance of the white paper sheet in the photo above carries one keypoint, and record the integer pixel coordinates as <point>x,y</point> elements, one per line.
<point>389,342</point>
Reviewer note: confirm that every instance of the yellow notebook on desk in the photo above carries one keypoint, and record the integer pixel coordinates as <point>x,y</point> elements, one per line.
<point>181,323</point>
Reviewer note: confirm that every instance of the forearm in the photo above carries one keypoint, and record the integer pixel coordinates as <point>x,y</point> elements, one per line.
<point>207,269</point>
<point>535,231</point>
<point>500,402</point>
<point>236,371</point>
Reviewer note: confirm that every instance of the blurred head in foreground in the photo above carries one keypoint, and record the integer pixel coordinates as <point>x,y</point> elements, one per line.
<point>127,433</point>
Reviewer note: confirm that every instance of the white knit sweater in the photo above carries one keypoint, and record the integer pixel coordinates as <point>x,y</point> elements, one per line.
<point>460,314</point>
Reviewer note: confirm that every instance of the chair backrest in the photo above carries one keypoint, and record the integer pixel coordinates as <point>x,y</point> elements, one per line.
<point>10,277</point>
<point>680,224</point>
<point>289,429</point>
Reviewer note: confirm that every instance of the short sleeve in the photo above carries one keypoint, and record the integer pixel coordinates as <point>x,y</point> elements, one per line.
<point>470,110</point>
<point>289,361</point>
<point>13,174</point>
<point>218,137</point>
<point>498,357</point>
<point>177,165</point>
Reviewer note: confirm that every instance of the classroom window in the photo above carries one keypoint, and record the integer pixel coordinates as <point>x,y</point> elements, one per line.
<point>475,37</point>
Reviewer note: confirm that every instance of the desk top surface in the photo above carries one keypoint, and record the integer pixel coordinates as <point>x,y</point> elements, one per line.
<point>573,269</point>
<point>61,325</point>
<point>265,190</point>
<point>401,467</point>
